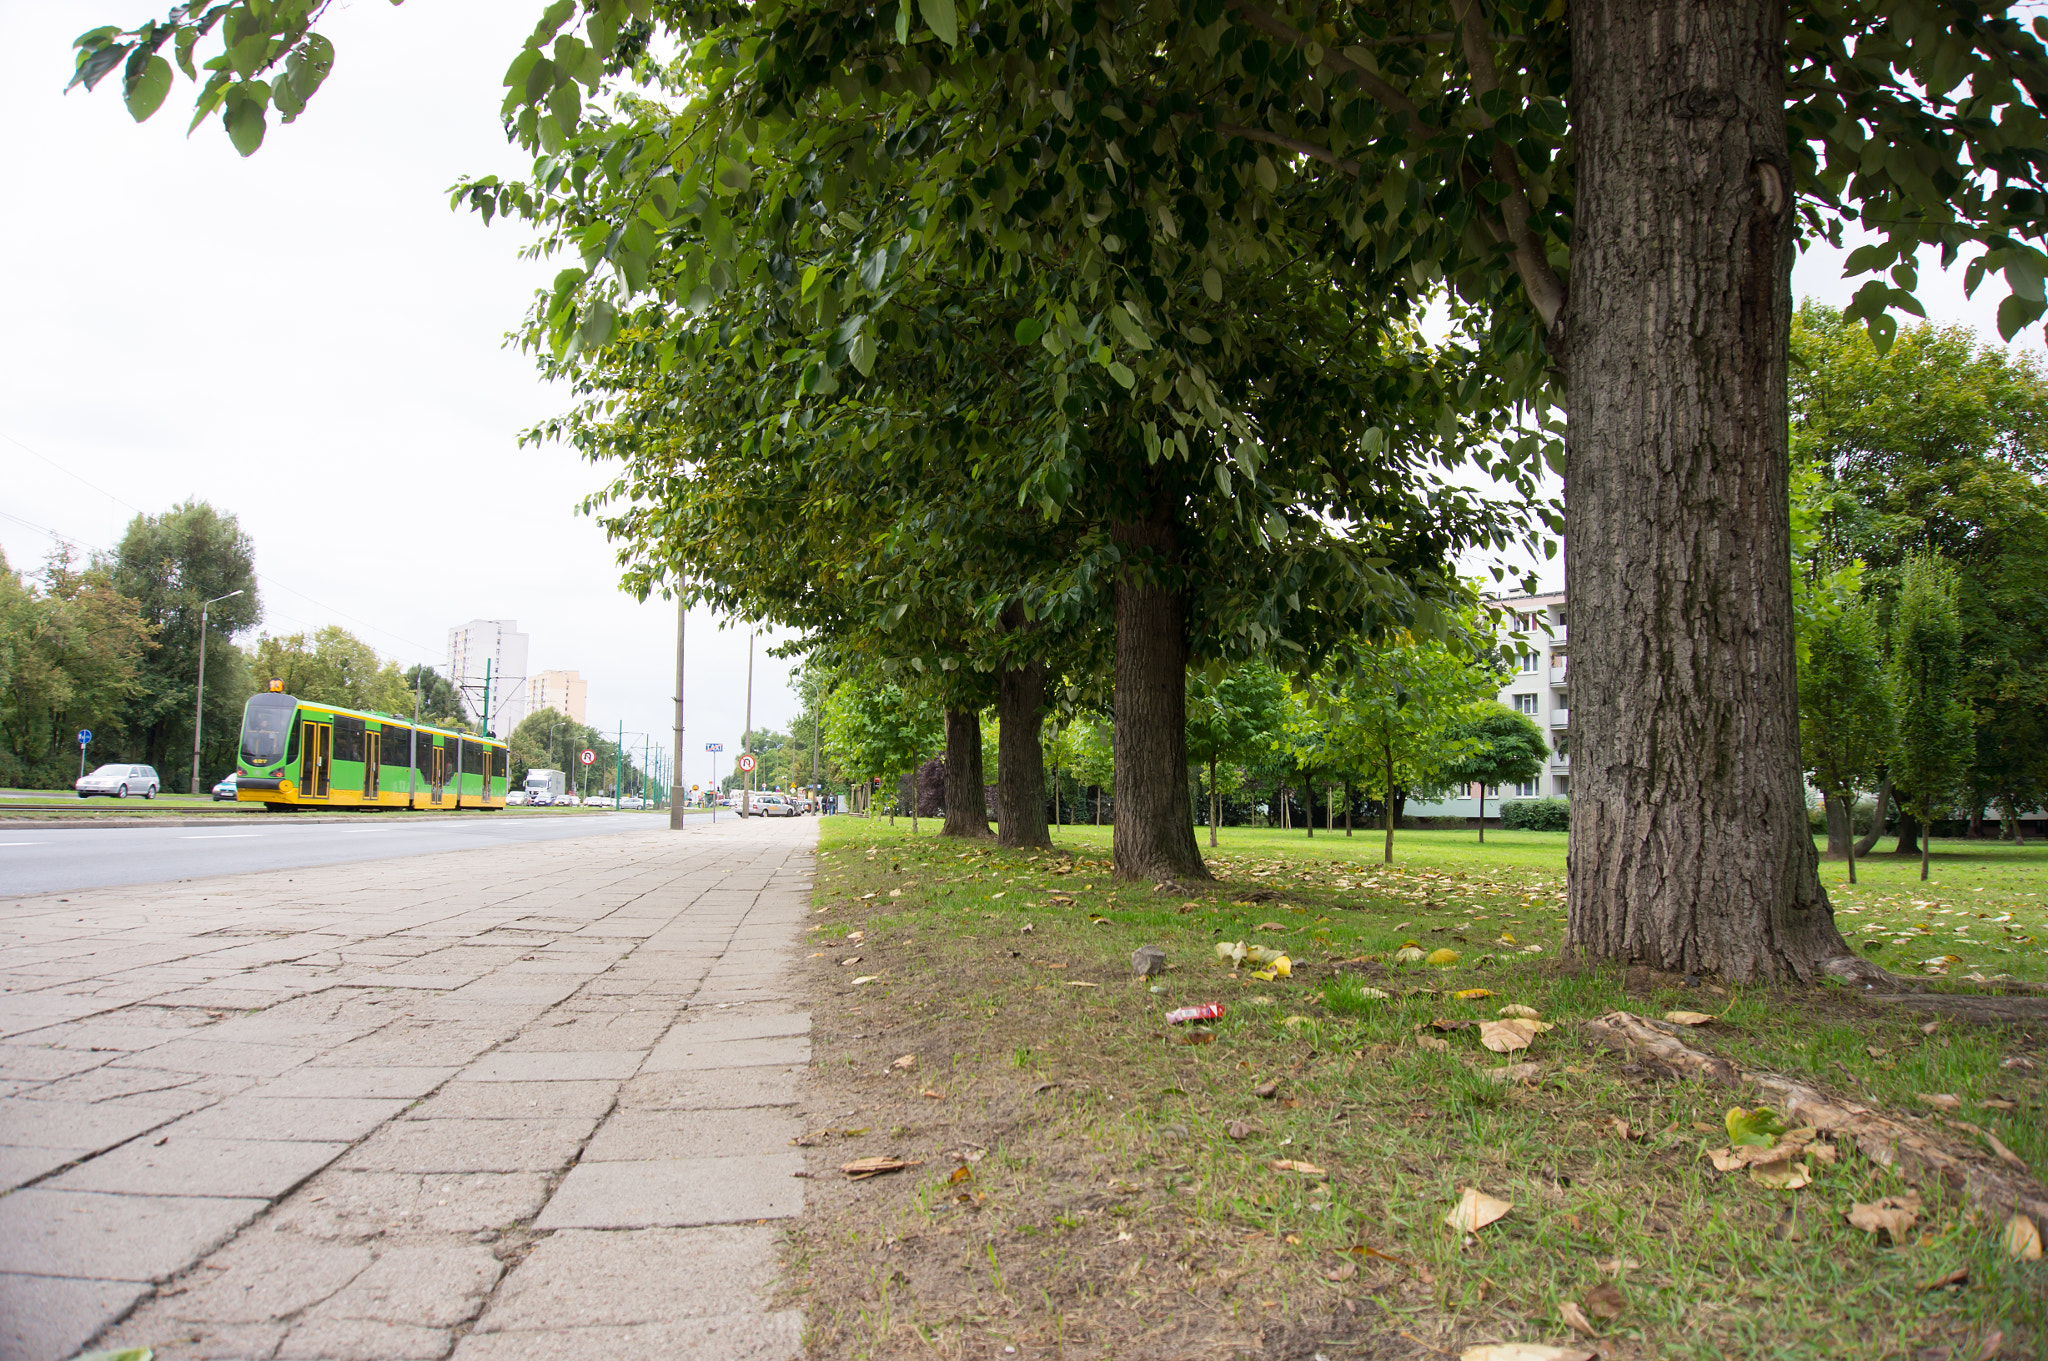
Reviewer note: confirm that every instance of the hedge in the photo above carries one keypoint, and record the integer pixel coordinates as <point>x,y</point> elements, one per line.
<point>1536,815</point>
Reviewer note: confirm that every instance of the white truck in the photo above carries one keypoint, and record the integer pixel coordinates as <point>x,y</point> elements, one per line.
<point>544,787</point>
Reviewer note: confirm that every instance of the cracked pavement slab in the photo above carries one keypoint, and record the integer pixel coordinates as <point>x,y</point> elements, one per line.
<point>465,1103</point>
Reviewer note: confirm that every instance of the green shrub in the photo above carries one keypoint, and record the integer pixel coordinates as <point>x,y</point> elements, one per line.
<point>1536,815</point>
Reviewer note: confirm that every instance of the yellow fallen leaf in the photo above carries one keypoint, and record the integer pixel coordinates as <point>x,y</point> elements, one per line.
<point>1689,1017</point>
<point>1291,1165</point>
<point>2022,1239</point>
<point>1408,954</point>
<point>1475,1210</point>
<point>1472,994</point>
<point>1517,1009</point>
<point>1442,958</point>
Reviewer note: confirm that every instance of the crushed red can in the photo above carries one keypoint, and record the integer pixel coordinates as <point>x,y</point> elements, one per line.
<point>1208,1011</point>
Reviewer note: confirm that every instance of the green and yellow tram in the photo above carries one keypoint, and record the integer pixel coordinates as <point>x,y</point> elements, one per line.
<point>298,754</point>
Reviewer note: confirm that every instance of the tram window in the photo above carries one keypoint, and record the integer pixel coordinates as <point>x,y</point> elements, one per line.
<point>397,747</point>
<point>348,739</point>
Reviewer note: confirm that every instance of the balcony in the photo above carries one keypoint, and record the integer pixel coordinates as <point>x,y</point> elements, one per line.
<point>1560,760</point>
<point>1560,718</point>
<point>1557,675</point>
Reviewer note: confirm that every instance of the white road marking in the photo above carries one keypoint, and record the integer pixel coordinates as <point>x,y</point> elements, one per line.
<point>219,836</point>
<point>24,843</point>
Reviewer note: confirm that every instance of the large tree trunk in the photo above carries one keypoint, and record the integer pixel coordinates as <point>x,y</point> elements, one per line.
<point>1689,843</point>
<point>1909,835</point>
<point>1153,835</point>
<point>1840,832</point>
<point>1020,759</point>
<point>966,812</point>
<point>1877,817</point>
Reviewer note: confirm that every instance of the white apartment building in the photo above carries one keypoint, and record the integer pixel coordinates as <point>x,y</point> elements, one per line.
<point>499,643</point>
<point>562,691</point>
<point>1538,688</point>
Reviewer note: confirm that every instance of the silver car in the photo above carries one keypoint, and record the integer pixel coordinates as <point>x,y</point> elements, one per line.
<point>118,782</point>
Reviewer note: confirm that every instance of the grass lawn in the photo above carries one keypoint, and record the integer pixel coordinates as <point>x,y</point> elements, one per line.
<point>1088,1188</point>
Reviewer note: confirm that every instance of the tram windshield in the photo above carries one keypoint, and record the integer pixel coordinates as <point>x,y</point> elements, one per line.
<point>267,727</point>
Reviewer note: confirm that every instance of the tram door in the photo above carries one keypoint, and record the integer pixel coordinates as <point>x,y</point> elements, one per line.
<point>317,755</point>
<point>437,770</point>
<point>373,749</point>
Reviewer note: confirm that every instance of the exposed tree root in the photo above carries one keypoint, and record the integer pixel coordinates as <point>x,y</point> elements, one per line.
<point>1893,1143</point>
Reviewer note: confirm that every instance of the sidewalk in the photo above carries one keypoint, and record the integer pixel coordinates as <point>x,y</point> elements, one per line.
<point>527,1103</point>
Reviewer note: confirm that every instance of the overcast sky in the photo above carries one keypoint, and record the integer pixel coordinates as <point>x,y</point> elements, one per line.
<point>311,340</point>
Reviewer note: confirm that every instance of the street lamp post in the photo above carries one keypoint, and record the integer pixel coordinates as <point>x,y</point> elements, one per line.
<point>199,690</point>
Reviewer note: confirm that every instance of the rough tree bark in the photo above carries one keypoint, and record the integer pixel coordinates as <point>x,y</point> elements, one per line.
<point>1020,759</point>
<point>1840,832</point>
<point>1153,835</point>
<point>966,811</point>
<point>1689,845</point>
<point>1909,835</point>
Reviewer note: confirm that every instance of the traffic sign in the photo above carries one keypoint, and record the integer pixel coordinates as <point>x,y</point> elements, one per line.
<point>746,761</point>
<point>714,746</point>
<point>84,736</point>
<point>587,756</point>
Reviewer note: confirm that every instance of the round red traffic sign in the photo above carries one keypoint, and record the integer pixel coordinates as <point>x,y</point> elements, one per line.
<point>587,756</point>
<point>746,761</point>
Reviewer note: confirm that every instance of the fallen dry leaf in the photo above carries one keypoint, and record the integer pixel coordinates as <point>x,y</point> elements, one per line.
<point>1265,1090</point>
<point>1433,1044</point>
<point>2022,1239</point>
<point>1614,1266</point>
<point>1605,1301</point>
<point>960,1174</point>
<point>1473,994</point>
<point>1575,1318</point>
<point>1517,1009</point>
<point>1442,958</point>
<point>1241,1129</point>
<point>906,1061</point>
<point>1269,926</point>
<point>1894,1214</point>
<point>1782,1176</point>
<point>1475,1210</point>
<point>1525,1351</point>
<point>1960,1276</point>
<point>936,1096</point>
<point>1503,1037</point>
<point>1292,1165</point>
<point>1875,1052</point>
<point>1621,1128</point>
<point>1689,1017</point>
<point>1513,1072</point>
<point>862,1168</point>
<point>869,978</point>
<point>1941,1101</point>
<point>2005,1155</point>
<point>1995,1103</point>
<point>1343,1271</point>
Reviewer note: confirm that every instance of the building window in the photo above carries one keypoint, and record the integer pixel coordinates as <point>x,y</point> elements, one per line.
<point>1493,791</point>
<point>1525,704</point>
<point>1528,789</point>
<point>1530,661</point>
<point>1564,785</point>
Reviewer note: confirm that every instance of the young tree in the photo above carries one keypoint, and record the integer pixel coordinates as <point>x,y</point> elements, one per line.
<point>881,730</point>
<point>1501,747</point>
<point>1846,725</point>
<point>1233,716</point>
<point>1934,729</point>
<point>72,653</point>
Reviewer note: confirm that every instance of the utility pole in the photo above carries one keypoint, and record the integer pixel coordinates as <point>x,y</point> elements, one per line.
<point>618,764</point>
<point>483,715</point>
<point>199,691</point>
<point>675,804</point>
<point>747,745</point>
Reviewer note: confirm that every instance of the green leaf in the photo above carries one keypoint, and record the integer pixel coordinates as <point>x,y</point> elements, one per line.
<point>1122,374</point>
<point>1212,284</point>
<point>94,63</point>
<point>308,65</point>
<point>2016,313</point>
<point>1029,330</point>
<point>1757,1128</point>
<point>144,90</point>
<point>245,123</point>
<point>599,319</point>
<point>902,21</point>
<point>862,353</point>
<point>1269,180</point>
<point>941,19</point>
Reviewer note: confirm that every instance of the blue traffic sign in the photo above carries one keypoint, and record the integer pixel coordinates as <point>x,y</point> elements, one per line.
<point>84,736</point>
<point>714,746</point>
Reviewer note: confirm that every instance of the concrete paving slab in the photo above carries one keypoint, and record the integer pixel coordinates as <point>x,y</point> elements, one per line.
<point>727,1089</point>
<point>49,1318</point>
<point>684,1051</point>
<point>751,1023</point>
<point>434,1285</point>
<point>517,1101</point>
<point>373,1205</point>
<point>132,1238</point>
<point>186,1166</point>
<point>569,1066</point>
<point>582,1279</point>
<point>320,1119</point>
<point>263,1276</point>
<point>331,1339</point>
<point>471,1146</point>
<point>734,1337</point>
<point>640,1135</point>
<point>25,1121</point>
<point>356,1082</point>
<point>19,1166</point>
<point>676,1192</point>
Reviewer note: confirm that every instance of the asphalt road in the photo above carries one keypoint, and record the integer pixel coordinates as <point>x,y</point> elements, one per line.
<point>35,860</point>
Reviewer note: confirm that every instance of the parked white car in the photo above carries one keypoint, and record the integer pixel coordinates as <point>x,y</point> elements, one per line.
<point>515,798</point>
<point>118,782</point>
